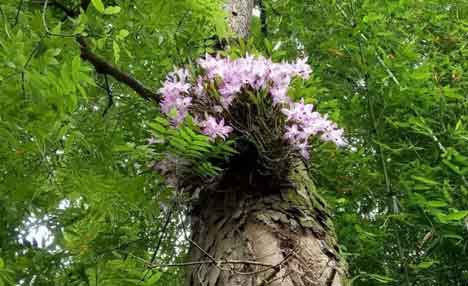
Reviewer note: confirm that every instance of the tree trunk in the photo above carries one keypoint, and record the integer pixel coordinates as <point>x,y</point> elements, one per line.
<point>252,231</point>
<point>263,236</point>
<point>239,16</point>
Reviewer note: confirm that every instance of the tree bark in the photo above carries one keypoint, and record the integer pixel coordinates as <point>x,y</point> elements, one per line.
<point>262,235</point>
<point>239,16</point>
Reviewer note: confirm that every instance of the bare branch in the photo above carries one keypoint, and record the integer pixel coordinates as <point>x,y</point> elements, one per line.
<point>18,12</point>
<point>104,67</point>
<point>222,262</point>
<point>190,263</point>
<point>109,96</point>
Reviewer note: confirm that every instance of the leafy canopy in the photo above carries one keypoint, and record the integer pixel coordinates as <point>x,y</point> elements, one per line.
<point>392,73</point>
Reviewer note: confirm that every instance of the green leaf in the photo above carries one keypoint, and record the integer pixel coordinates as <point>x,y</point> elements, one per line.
<point>123,34</point>
<point>425,180</point>
<point>453,167</point>
<point>381,278</point>
<point>178,143</point>
<point>202,149</point>
<point>458,215</point>
<point>202,143</point>
<point>82,91</point>
<point>116,48</point>
<point>424,264</point>
<point>436,204</point>
<point>153,279</point>
<point>229,149</point>
<point>98,5</point>
<point>158,127</point>
<point>76,63</point>
<point>184,134</point>
<point>162,121</point>
<point>2,263</point>
<point>112,10</point>
<point>453,236</point>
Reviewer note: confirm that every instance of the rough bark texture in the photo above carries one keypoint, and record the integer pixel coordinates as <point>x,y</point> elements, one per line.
<point>286,227</point>
<point>240,14</point>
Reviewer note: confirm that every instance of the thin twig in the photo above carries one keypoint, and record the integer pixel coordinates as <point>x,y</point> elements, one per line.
<point>234,262</point>
<point>270,276</point>
<point>263,18</point>
<point>109,96</point>
<point>23,88</point>
<point>216,262</point>
<point>389,72</point>
<point>44,23</point>
<point>162,235</point>
<point>220,262</point>
<point>277,278</point>
<point>18,11</point>
<point>286,258</point>
<point>5,22</point>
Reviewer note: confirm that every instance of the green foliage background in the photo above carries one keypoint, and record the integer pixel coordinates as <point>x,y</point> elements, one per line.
<point>393,73</point>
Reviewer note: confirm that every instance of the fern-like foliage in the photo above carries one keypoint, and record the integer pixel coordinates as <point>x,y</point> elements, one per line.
<point>192,153</point>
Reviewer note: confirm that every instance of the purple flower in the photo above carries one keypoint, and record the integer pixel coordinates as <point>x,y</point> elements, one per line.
<point>302,69</point>
<point>300,112</point>
<point>334,135</point>
<point>226,101</point>
<point>180,74</point>
<point>214,129</point>
<point>257,72</point>
<point>173,89</point>
<point>305,123</point>
<point>213,66</point>
<point>280,95</point>
<point>174,92</point>
<point>199,88</point>
<point>218,108</point>
<point>228,89</point>
<point>303,150</point>
<point>292,133</point>
<point>176,107</point>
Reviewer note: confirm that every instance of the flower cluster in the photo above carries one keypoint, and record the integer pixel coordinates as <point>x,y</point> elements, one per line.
<point>175,95</point>
<point>215,129</point>
<point>255,72</point>
<point>303,123</point>
<point>230,78</point>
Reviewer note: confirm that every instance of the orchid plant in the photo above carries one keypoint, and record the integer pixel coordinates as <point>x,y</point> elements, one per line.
<point>226,99</point>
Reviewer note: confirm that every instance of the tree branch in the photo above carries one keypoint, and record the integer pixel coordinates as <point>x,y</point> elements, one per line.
<point>100,64</point>
<point>105,68</point>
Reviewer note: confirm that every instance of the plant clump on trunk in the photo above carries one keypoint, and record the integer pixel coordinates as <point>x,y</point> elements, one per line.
<point>224,106</point>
